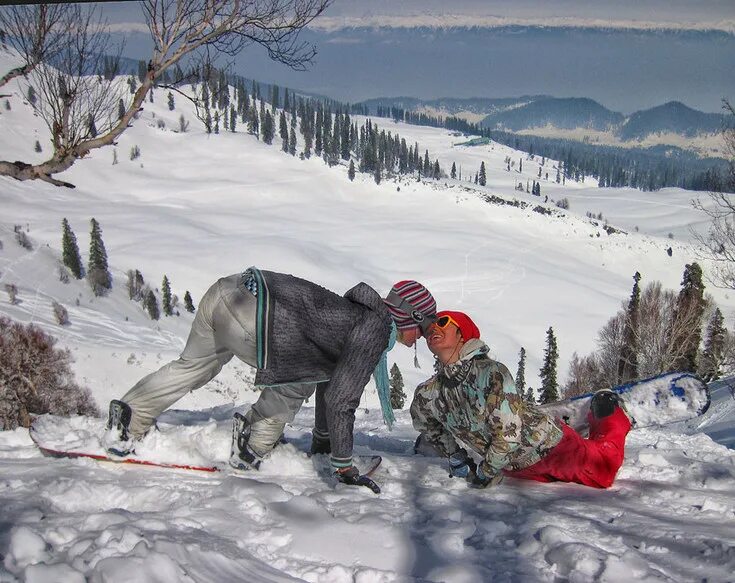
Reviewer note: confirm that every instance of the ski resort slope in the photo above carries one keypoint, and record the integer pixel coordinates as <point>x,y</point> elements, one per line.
<point>196,207</point>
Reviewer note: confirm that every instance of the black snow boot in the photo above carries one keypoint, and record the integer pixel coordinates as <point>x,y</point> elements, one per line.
<point>241,456</point>
<point>119,418</point>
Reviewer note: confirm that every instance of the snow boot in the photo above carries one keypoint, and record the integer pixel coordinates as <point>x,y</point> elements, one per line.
<point>117,440</point>
<point>241,456</point>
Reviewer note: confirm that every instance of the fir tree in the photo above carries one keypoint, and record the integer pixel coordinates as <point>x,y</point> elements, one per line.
<point>454,170</point>
<point>188,302</point>
<point>714,348</point>
<point>690,302</point>
<point>120,109</point>
<point>233,118</point>
<point>351,171</point>
<point>166,297</point>
<point>397,395</point>
<point>283,130</point>
<point>628,361</point>
<point>150,304</point>
<point>37,147</point>
<point>437,170</point>
<point>70,250</point>
<point>292,141</point>
<point>98,274</point>
<point>268,128</point>
<point>171,105</point>
<point>482,178</point>
<point>549,386</point>
<point>521,374</point>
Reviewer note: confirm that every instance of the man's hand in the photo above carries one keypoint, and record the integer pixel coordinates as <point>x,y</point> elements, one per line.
<point>461,465</point>
<point>351,476</point>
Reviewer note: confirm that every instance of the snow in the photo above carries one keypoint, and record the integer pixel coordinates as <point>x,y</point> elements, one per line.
<point>197,207</point>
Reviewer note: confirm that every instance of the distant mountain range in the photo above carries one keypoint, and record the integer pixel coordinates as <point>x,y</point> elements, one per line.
<point>544,114</point>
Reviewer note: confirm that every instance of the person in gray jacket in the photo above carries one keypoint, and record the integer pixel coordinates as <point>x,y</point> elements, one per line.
<point>300,337</point>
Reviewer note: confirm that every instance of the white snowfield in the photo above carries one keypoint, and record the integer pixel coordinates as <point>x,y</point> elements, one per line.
<point>197,207</point>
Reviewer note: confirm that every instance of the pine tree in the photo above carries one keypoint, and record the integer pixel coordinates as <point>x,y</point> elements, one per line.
<point>233,118</point>
<point>188,302</point>
<point>120,109</point>
<point>283,130</point>
<point>628,361</point>
<point>70,250</point>
<point>482,178</point>
<point>397,395</point>
<point>351,171</point>
<point>292,141</point>
<point>690,303</point>
<point>454,170</point>
<point>549,386</point>
<point>37,147</point>
<point>98,274</point>
<point>150,304</point>
<point>437,170</point>
<point>166,297</point>
<point>268,128</point>
<point>521,374</point>
<point>714,348</point>
<point>171,105</point>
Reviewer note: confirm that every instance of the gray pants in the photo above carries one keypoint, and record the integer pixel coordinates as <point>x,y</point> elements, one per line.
<point>224,326</point>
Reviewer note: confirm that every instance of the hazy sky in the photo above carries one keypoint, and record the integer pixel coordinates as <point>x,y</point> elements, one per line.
<point>626,54</point>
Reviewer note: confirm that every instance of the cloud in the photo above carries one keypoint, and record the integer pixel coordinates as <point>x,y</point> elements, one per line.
<point>442,20</point>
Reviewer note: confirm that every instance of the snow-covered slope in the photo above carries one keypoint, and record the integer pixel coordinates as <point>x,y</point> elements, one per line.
<point>197,207</point>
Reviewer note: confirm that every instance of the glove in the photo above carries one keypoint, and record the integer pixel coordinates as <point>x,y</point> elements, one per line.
<point>351,476</point>
<point>461,465</point>
<point>480,480</point>
<point>320,445</point>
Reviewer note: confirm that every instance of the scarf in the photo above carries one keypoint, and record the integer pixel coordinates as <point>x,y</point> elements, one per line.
<point>382,382</point>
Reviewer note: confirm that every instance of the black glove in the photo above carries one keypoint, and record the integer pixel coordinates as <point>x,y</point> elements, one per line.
<point>351,476</point>
<point>461,465</point>
<point>480,480</point>
<point>320,445</point>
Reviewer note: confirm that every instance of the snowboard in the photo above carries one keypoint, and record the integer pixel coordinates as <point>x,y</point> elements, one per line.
<point>654,401</point>
<point>180,448</point>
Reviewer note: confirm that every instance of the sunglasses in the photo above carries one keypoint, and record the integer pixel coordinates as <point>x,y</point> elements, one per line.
<point>444,321</point>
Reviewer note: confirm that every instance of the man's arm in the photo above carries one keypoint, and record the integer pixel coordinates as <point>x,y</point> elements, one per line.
<point>503,407</point>
<point>425,422</point>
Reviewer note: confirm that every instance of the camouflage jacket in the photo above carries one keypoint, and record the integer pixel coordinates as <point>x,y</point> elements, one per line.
<point>473,403</point>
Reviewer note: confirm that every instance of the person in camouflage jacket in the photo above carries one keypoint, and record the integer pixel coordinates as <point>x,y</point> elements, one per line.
<point>471,408</point>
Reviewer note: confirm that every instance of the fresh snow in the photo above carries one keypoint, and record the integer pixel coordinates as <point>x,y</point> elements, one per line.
<point>197,207</point>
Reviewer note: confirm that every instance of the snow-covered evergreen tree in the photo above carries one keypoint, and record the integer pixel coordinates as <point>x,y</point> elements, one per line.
<point>397,394</point>
<point>98,273</point>
<point>70,250</point>
<point>549,386</point>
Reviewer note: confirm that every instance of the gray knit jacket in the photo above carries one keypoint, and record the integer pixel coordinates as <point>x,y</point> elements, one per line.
<point>307,333</point>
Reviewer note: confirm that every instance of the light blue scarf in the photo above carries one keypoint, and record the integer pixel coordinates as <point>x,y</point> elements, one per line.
<point>382,382</point>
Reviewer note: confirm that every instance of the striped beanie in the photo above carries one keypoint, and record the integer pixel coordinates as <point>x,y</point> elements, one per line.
<point>416,294</point>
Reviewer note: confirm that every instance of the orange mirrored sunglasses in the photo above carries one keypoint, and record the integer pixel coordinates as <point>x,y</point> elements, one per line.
<point>444,321</point>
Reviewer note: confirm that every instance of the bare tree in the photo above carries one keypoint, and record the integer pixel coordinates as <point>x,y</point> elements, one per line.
<point>178,28</point>
<point>719,242</point>
<point>36,32</point>
<point>584,376</point>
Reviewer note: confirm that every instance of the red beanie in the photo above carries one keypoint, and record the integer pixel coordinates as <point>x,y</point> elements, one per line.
<point>467,327</point>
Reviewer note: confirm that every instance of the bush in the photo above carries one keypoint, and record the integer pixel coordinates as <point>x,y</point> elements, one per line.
<point>12,292</point>
<point>563,203</point>
<point>134,152</point>
<point>22,239</point>
<point>36,378</point>
<point>60,313</point>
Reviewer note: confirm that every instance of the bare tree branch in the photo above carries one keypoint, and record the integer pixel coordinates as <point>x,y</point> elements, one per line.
<point>35,32</point>
<point>178,28</point>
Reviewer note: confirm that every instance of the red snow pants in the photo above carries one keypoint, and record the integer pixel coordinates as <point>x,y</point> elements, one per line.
<point>593,462</point>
